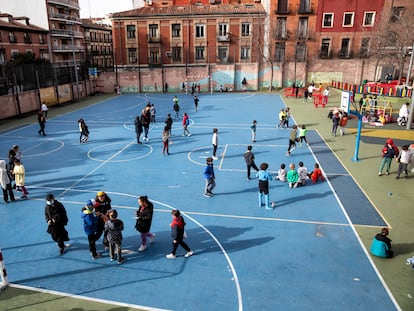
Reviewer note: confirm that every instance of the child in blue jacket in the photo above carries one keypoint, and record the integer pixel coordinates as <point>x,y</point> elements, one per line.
<point>264,177</point>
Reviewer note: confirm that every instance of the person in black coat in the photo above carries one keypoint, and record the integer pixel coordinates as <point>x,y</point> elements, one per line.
<point>138,128</point>
<point>57,219</point>
<point>144,220</point>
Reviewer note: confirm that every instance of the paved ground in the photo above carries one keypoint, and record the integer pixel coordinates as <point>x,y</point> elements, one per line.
<point>395,208</point>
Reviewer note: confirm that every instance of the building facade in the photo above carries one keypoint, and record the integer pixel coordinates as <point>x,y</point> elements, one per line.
<point>98,45</point>
<point>160,34</point>
<point>19,36</point>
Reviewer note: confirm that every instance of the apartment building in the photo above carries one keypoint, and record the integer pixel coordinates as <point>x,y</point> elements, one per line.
<point>162,33</point>
<point>19,36</point>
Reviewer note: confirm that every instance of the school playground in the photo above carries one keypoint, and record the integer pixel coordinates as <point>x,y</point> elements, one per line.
<point>308,253</point>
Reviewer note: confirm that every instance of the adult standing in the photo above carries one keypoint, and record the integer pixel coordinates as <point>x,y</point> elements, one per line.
<point>5,183</point>
<point>176,107</point>
<point>214,142</point>
<point>42,122</point>
<point>57,219</point>
<point>144,219</point>
<point>138,128</point>
<point>249,158</point>
<point>145,120</point>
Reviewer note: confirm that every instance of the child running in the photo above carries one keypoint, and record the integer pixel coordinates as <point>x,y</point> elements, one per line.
<point>84,131</point>
<point>302,135</point>
<point>292,140</point>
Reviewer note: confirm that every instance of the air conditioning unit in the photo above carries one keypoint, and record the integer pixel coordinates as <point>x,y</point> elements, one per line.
<point>148,2</point>
<point>168,53</point>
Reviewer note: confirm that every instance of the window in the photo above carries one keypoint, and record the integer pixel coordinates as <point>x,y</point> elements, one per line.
<point>364,50</point>
<point>130,31</point>
<point>344,52</point>
<point>12,37</point>
<point>176,54</point>
<point>327,21</point>
<point>132,56</point>
<point>280,52</point>
<point>396,13</point>
<point>281,30</point>
<point>27,38</point>
<point>41,39</point>
<point>245,29</point>
<point>176,30</point>
<point>348,20</point>
<point>325,51</point>
<point>222,53</point>
<point>222,30</point>
<point>300,52</point>
<point>154,55</point>
<point>369,19</point>
<point>245,52</point>
<point>304,6</point>
<point>200,52</point>
<point>282,6</point>
<point>199,31</point>
<point>303,28</point>
<point>153,31</point>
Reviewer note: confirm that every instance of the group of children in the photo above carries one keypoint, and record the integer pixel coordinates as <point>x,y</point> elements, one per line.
<point>12,175</point>
<point>389,152</point>
<point>294,178</point>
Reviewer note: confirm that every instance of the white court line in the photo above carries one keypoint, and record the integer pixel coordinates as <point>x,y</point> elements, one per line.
<point>110,302</point>
<point>98,167</point>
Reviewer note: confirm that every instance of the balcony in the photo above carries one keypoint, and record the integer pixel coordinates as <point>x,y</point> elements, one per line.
<point>223,38</point>
<point>323,54</point>
<point>344,54</point>
<point>67,3</point>
<point>65,17</point>
<point>66,33</point>
<point>281,36</point>
<point>305,9</point>
<point>283,10</point>
<point>152,39</point>
<point>65,48</point>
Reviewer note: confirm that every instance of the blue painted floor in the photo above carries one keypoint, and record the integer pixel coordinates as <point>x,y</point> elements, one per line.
<point>302,255</point>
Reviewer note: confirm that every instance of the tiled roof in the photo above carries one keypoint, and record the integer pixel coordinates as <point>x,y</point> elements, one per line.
<point>19,26</point>
<point>243,9</point>
<point>87,23</point>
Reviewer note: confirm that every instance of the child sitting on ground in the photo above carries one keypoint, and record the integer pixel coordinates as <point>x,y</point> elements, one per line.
<point>281,173</point>
<point>303,174</point>
<point>292,176</point>
<point>316,174</point>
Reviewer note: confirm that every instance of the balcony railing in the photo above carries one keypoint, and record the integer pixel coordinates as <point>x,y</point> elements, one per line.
<point>223,38</point>
<point>153,39</point>
<point>65,17</point>
<point>283,10</point>
<point>66,33</point>
<point>67,48</point>
<point>344,54</point>
<point>325,54</point>
<point>70,3</point>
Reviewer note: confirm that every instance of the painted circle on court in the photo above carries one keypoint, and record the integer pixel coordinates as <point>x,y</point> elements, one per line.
<point>200,154</point>
<point>38,150</point>
<point>109,153</point>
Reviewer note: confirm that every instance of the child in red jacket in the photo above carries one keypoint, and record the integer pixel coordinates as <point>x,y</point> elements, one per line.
<point>316,174</point>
